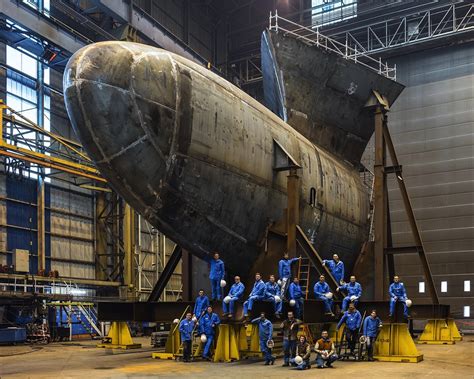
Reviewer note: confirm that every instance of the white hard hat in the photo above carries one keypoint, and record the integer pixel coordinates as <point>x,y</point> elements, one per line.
<point>270,344</point>
<point>279,282</point>
<point>362,339</point>
<point>328,295</point>
<point>203,338</point>
<point>194,318</point>
<point>353,297</point>
<point>277,298</point>
<point>292,302</point>
<point>298,359</point>
<point>223,283</point>
<point>176,321</point>
<point>408,302</point>
<point>227,299</point>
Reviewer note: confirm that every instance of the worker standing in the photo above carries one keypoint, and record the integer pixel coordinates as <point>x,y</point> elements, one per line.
<point>258,293</point>
<point>272,294</point>
<point>397,293</point>
<point>284,272</point>
<point>303,350</point>
<point>216,274</point>
<point>200,305</point>
<point>353,291</point>
<point>370,331</point>
<point>236,292</point>
<point>296,294</point>
<point>265,334</point>
<point>290,335</point>
<point>336,266</point>
<point>186,328</point>
<point>326,353</point>
<point>352,319</point>
<point>322,292</point>
<point>209,323</point>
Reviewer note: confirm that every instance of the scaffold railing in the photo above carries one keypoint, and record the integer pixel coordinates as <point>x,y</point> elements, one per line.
<point>313,37</point>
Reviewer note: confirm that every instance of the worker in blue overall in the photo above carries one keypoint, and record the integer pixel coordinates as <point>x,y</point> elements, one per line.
<point>209,323</point>
<point>336,266</point>
<point>272,294</point>
<point>296,294</point>
<point>200,305</point>
<point>352,319</point>
<point>258,293</point>
<point>265,334</point>
<point>216,274</point>
<point>284,272</point>
<point>353,291</point>
<point>186,327</point>
<point>370,330</point>
<point>397,293</point>
<point>236,292</point>
<point>322,292</point>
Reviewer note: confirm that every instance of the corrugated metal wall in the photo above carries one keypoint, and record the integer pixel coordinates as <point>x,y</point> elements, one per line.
<point>3,221</point>
<point>432,125</point>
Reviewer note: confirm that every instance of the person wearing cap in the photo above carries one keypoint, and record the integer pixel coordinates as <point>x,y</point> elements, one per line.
<point>336,266</point>
<point>295,293</point>
<point>186,327</point>
<point>236,292</point>
<point>200,305</point>
<point>290,329</point>
<point>370,331</point>
<point>353,291</point>
<point>321,291</point>
<point>265,334</point>
<point>303,350</point>
<point>272,294</point>
<point>209,323</point>
<point>397,293</point>
<point>284,272</point>
<point>325,351</point>
<point>352,319</point>
<point>258,293</point>
<point>216,274</point>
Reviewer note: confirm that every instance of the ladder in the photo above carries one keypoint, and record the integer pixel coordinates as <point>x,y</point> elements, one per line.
<point>308,334</point>
<point>303,275</point>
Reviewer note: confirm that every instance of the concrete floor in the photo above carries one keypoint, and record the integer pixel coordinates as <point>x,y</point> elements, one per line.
<point>84,360</point>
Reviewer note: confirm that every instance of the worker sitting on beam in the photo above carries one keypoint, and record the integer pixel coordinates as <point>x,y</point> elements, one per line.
<point>209,323</point>
<point>296,297</point>
<point>336,266</point>
<point>284,272</point>
<point>322,292</point>
<point>236,292</point>
<point>216,275</point>
<point>352,319</point>
<point>265,334</point>
<point>200,305</point>
<point>397,293</point>
<point>272,294</point>
<point>258,293</point>
<point>353,290</point>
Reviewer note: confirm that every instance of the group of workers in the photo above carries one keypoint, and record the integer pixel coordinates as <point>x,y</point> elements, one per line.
<point>205,321</point>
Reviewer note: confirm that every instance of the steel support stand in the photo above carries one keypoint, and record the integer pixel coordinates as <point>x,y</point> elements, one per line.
<point>394,344</point>
<point>119,337</point>
<point>437,332</point>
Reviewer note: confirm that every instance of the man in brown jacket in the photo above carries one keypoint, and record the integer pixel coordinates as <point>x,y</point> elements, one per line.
<point>290,335</point>
<point>303,350</point>
<point>326,353</point>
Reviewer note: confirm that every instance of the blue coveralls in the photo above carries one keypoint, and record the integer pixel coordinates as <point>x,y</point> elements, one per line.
<point>200,305</point>
<point>296,294</point>
<point>337,269</point>
<point>284,272</point>
<point>319,290</point>
<point>398,290</point>
<point>236,292</point>
<point>186,328</point>
<point>206,327</point>
<point>216,274</point>
<point>370,330</point>
<point>272,290</point>
<point>352,289</point>
<point>352,321</point>
<point>265,333</point>
<point>258,293</point>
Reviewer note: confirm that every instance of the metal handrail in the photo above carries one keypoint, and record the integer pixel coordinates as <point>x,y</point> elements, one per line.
<point>315,38</point>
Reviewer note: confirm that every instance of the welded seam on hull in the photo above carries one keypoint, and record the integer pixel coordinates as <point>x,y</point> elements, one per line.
<point>124,150</point>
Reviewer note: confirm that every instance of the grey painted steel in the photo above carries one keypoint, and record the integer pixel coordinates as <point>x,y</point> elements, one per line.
<point>321,94</point>
<point>193,154</point>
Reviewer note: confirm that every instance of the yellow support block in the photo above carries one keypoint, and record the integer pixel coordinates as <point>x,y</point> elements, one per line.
<point>335,335</point>
<point>454,330</point>
<point>394,344</point>
<point>119,337</point>
<point>162,355</point>
<point>227,346</point>
<point>437,332</point>
<point>173,342</point>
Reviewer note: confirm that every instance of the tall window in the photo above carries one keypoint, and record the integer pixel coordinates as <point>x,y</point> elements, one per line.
<point>42,6</point>
<point>327,12</point>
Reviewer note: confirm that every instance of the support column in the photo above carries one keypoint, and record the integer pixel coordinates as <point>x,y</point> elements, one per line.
<point>100,237</point>
<point>187,275</point>
<point>292,213</point>
<point>41,225</point>
<point>129,245</point>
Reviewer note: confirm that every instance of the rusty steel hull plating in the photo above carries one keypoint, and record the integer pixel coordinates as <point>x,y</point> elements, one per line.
<point>193,154</point>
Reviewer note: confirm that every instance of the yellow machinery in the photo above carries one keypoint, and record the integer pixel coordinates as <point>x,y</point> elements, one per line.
<point>119,337</point>
<point>440,332</point>
<point>394,344</point>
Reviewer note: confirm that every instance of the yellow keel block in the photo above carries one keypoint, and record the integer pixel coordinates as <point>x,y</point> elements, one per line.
<point>119,337</point>
<point>394,344</point>
<point>437,332</point>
